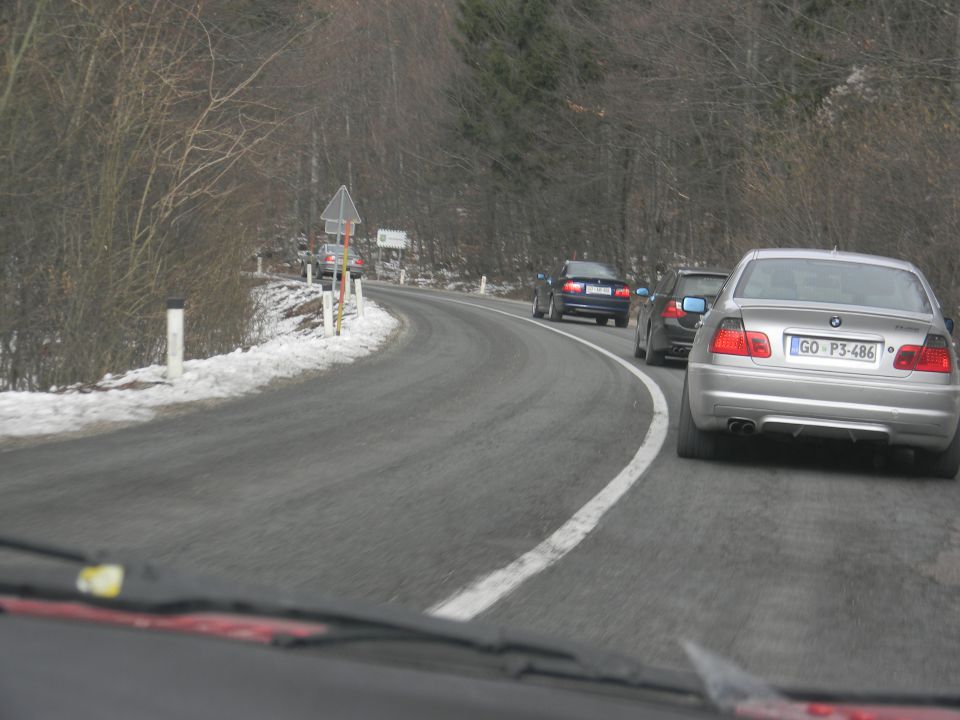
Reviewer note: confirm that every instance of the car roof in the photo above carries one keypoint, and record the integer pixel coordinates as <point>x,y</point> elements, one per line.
<point>591,262</point>
<point>815,254</point>
<point>701,271</point>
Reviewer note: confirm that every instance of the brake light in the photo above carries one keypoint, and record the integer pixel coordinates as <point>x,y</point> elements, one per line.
<point>933,356</point>
<point>330,258</point>
<point>622,292</point>
<point>572,287</point>
<point>934,359</point>
<point>730,339</point>
<point>673,309</point>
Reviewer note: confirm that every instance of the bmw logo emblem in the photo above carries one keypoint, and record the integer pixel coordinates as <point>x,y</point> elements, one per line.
<point>835,321</point>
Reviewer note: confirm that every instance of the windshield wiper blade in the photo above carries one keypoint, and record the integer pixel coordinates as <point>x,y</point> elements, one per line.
<point>517,655</point>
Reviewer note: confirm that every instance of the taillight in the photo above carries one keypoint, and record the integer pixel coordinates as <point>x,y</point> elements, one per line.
<point>673,309</point>
<point>622,292</point>
<point>934,356</point>
<point>730,339</point>
<point>906,358</point>
<point>572,287</point>
<point>330,258</point>
<point>758,344</point>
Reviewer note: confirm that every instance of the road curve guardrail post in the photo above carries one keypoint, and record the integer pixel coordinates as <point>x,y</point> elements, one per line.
<point>328,328</point>
<point>358,289</point>
<point>174,337</point>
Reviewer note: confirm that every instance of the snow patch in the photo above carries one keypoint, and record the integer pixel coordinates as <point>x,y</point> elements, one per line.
<point>286,345</point>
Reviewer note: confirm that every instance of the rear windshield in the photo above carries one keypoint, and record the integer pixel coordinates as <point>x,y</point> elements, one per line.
<point>338,250</point>
<point>592,269</point>
<point>834,281</point>
<point>701,285</point>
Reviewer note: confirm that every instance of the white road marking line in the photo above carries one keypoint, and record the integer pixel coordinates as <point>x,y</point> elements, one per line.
<point>485,591</point>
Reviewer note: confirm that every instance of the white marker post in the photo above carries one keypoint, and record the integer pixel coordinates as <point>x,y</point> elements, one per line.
<point>483,284</point>
<point>310,275</point>
<point>346,295</point>
<point>174,337</point>
<point>403,276</point>
<point>358,288</point>
<point>328,328</point>
<point>259,265</point>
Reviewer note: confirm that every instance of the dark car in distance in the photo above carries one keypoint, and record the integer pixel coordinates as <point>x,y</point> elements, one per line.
<point>663,328</point>
<point>585,289</point>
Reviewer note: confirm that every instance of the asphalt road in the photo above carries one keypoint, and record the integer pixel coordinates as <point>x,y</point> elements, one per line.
<point>405,476</point>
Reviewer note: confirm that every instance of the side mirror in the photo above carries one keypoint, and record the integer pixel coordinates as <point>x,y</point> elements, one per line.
<point>541,276</point>
<point>949,323</point>
<point>642,292</point>
<point>695,305</point>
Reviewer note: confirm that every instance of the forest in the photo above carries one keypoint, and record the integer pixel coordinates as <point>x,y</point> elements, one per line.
<point>152,147</point>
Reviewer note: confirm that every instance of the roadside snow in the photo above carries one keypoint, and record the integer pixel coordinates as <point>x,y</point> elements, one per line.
<point>283,351</point>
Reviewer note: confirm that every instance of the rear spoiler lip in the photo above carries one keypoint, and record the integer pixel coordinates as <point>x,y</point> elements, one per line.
<point>760,304</point>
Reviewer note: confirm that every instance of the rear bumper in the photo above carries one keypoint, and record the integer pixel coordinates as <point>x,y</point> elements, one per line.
<point>672,338</point>
<point>592,306</point>
<point>327,269</point>
<point>803,405</point>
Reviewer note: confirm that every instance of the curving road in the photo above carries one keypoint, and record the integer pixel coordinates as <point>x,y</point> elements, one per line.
<point>404,477</point>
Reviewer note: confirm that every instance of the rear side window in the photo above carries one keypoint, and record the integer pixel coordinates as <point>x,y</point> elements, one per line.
<point>666,282</point>
<point>701,285</point>
<point>836,282</point>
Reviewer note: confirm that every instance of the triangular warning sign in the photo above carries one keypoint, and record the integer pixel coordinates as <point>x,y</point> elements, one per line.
<point>341,208</point>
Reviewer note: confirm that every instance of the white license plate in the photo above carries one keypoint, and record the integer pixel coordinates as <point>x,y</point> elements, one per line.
<point>599,290</point>
<point>830,348</point>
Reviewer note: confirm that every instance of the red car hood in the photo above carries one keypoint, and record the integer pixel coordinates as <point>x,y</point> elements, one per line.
<point>785,710</point>
<point>234,627</point>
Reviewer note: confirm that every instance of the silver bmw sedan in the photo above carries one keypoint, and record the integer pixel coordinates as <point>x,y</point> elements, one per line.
<point>813,343</point>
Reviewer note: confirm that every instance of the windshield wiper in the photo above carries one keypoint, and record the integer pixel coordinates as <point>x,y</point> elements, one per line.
<point>517,655</point>
<point>147,588</point>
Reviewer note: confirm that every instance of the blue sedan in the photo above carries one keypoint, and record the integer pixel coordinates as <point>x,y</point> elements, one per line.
<point>584,289</point>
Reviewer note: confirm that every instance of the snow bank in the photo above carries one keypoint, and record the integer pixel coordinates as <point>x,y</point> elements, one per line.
<point>284,349</point>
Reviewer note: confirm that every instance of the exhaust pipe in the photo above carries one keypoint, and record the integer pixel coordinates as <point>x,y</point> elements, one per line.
<point>741,427</point>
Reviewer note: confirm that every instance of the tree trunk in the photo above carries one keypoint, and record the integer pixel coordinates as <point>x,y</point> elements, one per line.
<point>314,176</point>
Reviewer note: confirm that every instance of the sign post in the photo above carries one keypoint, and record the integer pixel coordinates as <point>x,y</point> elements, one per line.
<point>342,210</point>
<point>343,277</point>
<point>392,240</point>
